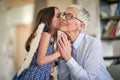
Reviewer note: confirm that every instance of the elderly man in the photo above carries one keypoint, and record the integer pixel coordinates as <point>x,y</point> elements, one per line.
<point>84,61</point>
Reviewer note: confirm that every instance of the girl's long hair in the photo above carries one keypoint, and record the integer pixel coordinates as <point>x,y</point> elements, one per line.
<point>44,15</point>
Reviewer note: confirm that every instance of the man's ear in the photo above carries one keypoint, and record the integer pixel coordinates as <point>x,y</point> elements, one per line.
<point>81,26</point>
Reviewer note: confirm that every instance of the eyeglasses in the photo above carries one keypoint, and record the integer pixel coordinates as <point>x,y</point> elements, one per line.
<point>68,16</point>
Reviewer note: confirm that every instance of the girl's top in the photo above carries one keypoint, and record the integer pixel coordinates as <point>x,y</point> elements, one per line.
<point>36,72</point>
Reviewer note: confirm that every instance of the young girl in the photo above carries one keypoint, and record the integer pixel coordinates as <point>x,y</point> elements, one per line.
<point>39,68</point>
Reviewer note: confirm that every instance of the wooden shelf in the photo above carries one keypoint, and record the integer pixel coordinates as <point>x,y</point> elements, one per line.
<point>110,1</point>
<point>111,17</point>
<point>111,38</point>
<point>111,57</point>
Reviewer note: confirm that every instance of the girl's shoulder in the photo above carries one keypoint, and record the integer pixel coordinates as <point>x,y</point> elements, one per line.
<point>45,34</point>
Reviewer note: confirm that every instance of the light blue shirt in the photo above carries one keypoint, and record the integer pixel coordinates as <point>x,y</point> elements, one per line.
<point>86,63</point>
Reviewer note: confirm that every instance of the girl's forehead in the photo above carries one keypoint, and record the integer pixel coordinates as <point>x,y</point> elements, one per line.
<point>57,10</point>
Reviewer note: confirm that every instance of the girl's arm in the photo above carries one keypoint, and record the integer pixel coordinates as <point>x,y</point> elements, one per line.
<point>41,57</point>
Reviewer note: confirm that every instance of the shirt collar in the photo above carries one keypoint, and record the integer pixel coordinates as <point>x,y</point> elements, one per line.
<point>77,42</point>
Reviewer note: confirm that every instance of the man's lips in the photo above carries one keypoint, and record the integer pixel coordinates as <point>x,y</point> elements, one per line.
<point>63,24</point>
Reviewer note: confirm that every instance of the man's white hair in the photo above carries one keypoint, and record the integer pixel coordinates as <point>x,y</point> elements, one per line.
<point>83,14</point>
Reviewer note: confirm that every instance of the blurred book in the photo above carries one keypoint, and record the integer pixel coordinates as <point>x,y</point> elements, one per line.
<point>109,28</point>
<point>117,11</point>
<point>103,15</point>
<point>114,29</point>
<point>118,29</point>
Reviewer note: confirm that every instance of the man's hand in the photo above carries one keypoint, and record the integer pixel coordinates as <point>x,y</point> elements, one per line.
<point>64,47</point>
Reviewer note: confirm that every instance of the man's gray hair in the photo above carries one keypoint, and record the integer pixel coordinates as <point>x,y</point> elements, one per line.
<point>83,14</point>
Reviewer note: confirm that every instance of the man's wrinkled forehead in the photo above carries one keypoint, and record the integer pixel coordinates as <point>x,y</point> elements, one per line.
<point>72,10</point>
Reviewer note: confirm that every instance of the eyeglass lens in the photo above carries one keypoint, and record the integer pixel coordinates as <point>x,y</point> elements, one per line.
<point>68,16</point>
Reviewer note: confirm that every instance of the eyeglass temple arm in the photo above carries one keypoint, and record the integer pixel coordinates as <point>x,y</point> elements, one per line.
<point>78,19</point>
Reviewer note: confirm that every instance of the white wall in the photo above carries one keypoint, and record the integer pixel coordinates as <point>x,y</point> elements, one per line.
<point>21,15</point>
<point>2,31</point>
<point>116,48</point>
<point>61,4</point>
<point>8,21</point>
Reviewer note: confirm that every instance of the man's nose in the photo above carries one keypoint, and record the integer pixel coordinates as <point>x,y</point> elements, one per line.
<point>62,18</point>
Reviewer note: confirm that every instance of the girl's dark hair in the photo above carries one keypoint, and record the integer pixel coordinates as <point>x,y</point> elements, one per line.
<point>44,15</point>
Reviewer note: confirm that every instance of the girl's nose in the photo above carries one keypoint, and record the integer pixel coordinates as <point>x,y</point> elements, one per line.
<point>62,19</point>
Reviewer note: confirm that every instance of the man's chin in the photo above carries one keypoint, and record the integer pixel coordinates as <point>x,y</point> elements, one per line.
<point>63,29</point>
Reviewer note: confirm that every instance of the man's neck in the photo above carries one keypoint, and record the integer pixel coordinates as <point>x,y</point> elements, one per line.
<point>72,36</point>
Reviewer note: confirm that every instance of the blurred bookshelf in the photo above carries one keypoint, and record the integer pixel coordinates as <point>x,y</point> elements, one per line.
<point>110,1</point>
<point>110,25</point>
<point>111,17</point>
<point>110,38</point>
<point>112,57</point>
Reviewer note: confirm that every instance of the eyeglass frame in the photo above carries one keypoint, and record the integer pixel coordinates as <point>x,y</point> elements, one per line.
<point>64,14</point>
